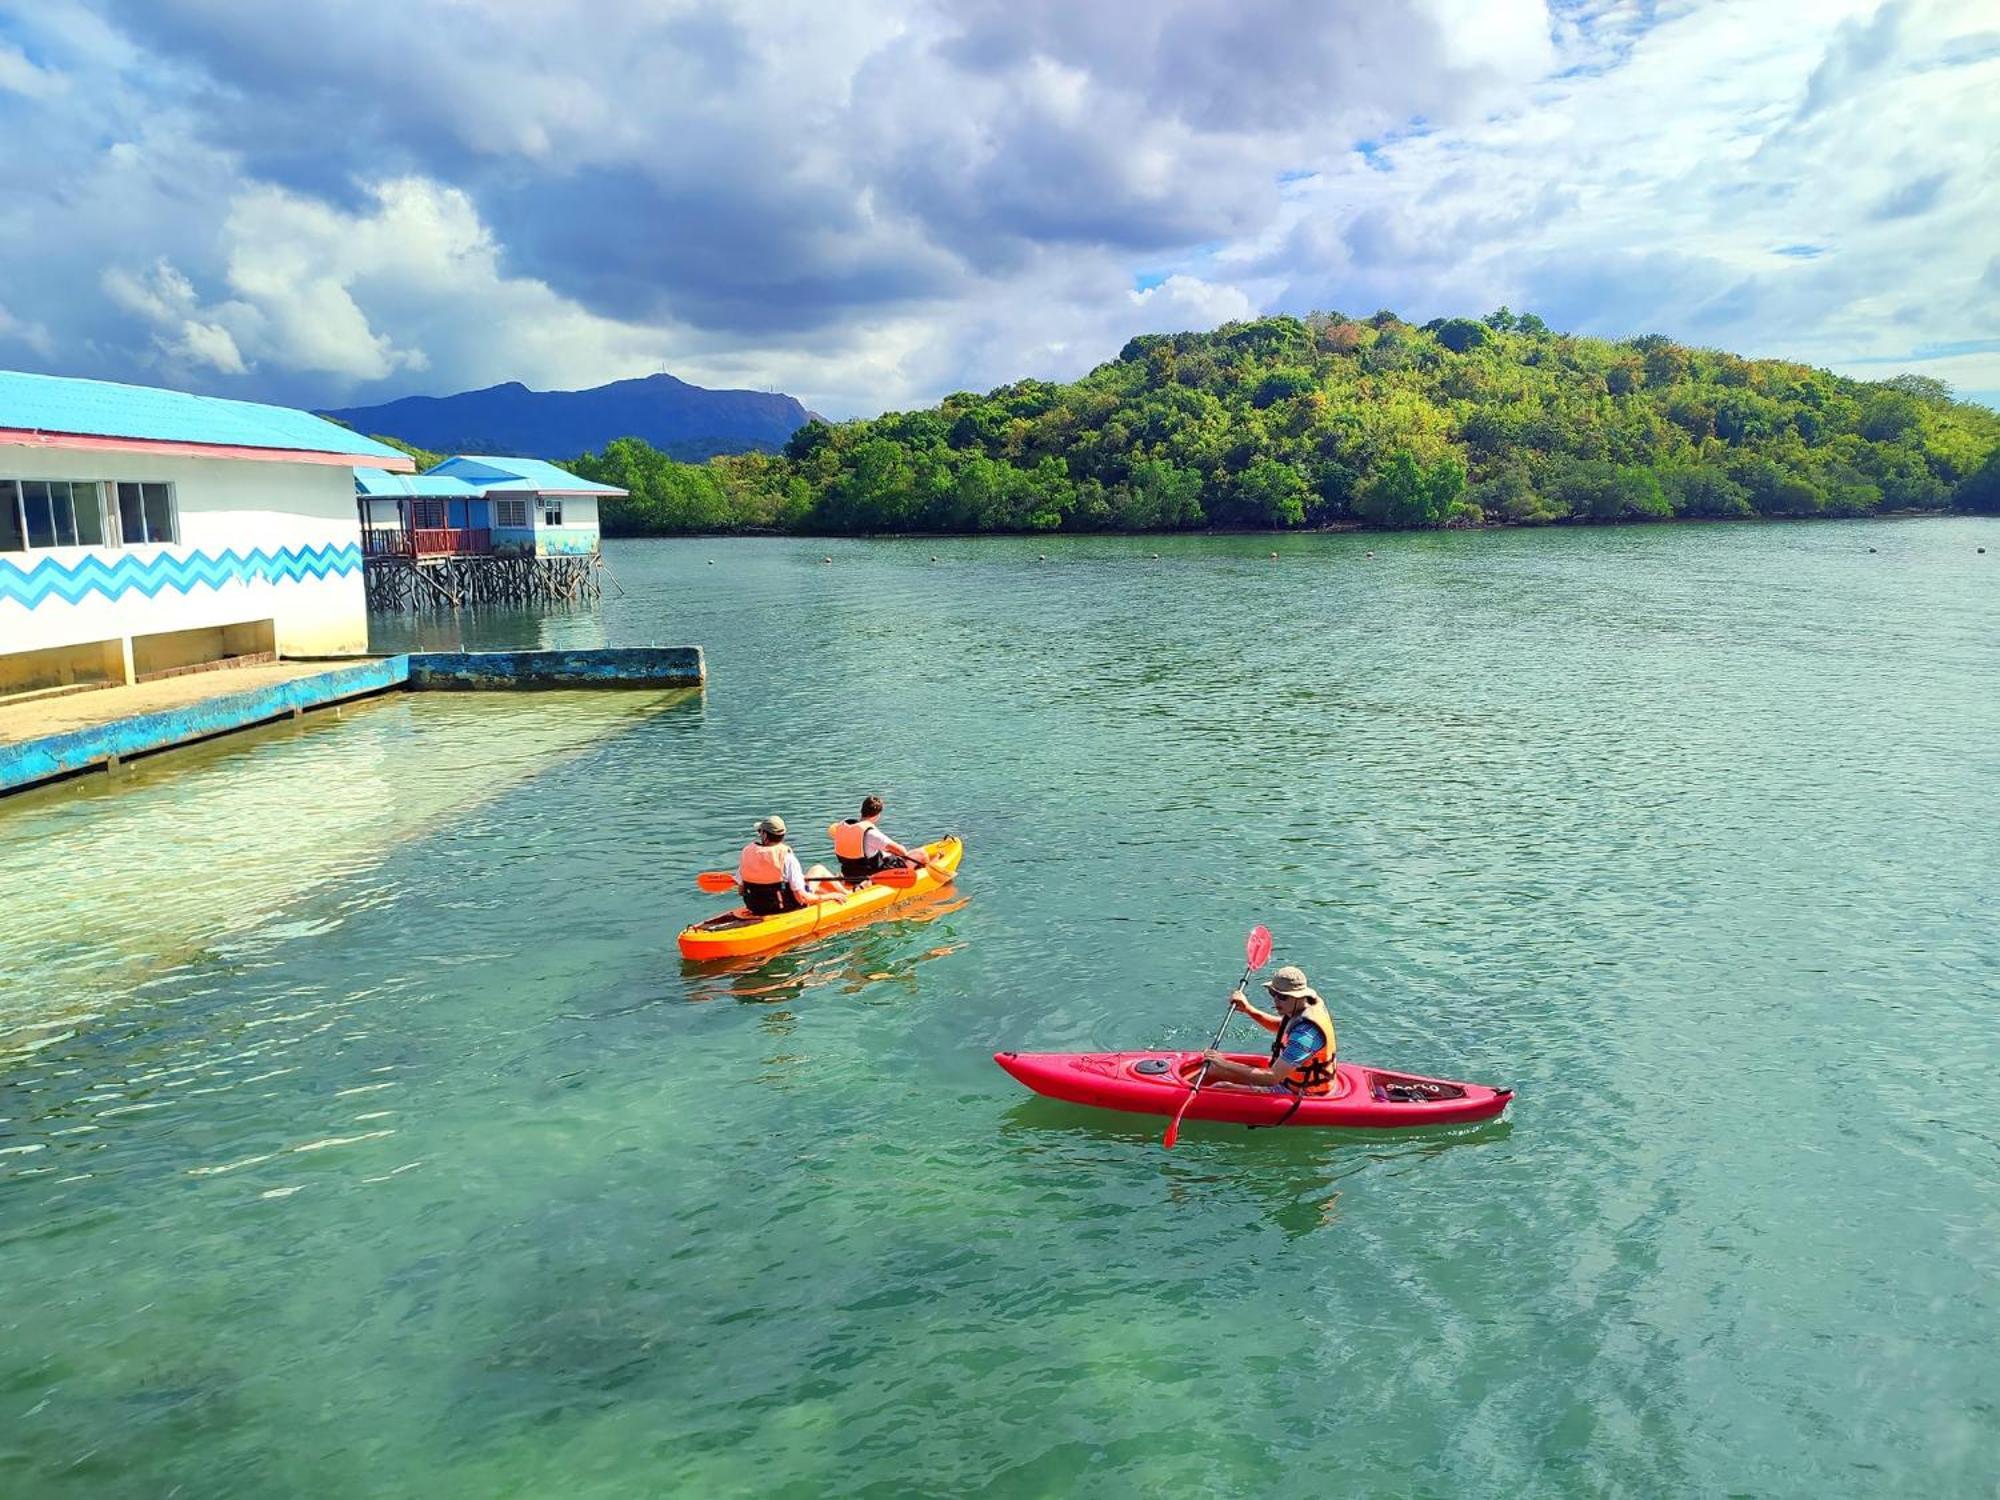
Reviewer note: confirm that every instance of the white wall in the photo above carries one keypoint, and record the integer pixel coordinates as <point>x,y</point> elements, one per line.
<point>578,510</point>
<point>225,506</point>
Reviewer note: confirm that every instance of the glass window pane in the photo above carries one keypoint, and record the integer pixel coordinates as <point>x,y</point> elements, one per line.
<point>89,514</point>
<point>159,514</point>
<point>12,537</point>
<point>131,518</point>
<point>41,519</point>
<point>64,512</point>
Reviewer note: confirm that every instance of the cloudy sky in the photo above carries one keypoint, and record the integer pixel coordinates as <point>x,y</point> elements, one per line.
<point>871,204</point>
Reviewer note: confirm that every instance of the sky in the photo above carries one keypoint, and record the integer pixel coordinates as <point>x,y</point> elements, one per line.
<point>869,205</point>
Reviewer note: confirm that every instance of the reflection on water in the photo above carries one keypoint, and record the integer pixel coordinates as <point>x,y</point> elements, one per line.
<point>282,826</point>
<point>555,627</point>
<point>847,959</point>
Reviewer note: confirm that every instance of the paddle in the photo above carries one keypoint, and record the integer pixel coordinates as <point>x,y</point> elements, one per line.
<point>721,881</point>
<point>1256,953</point>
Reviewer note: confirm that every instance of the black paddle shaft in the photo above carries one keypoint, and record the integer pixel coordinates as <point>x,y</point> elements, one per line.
<point>1216,1040</point>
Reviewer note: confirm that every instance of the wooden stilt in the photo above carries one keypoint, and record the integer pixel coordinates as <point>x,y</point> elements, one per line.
<point>397,584</point>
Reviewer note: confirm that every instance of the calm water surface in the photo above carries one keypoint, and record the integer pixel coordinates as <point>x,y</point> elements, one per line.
<point>361,1133</point>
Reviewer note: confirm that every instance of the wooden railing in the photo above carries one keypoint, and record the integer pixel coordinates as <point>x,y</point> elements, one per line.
<point>429,541</point>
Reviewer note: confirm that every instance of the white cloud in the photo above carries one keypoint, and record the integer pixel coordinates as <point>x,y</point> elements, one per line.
<point>870,204</point>
<point>20,76</point>
<point>32,336</point>
<point>1974,371</point>
<point>1713,184</point>
<point>183,338</point>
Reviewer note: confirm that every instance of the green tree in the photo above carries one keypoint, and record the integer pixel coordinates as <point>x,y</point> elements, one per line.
<point>1980,490</point>
<point>1283,421</point>
<point>1270,493</point>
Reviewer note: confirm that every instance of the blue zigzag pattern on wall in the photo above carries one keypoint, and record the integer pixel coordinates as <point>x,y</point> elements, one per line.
<point>129,573</point>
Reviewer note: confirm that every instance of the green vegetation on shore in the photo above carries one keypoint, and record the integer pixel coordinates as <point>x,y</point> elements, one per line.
<point>1326,420</point>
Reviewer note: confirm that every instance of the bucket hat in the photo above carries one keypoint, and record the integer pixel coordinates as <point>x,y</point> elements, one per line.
<point>1290,982</point>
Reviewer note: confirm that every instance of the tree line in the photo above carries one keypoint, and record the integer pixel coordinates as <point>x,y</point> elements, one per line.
<point>1327,420</point>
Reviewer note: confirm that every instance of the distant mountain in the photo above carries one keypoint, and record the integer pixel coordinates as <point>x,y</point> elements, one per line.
<point>687,421</point>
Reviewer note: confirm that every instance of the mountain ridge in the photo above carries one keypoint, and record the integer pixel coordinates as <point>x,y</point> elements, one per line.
<point>688,421</point>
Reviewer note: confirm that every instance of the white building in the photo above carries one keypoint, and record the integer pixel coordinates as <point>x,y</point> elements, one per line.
<point>145,531</point>
<point>473,505</point>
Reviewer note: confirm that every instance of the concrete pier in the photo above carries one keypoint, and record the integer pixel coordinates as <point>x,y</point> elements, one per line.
<point>627,667</point>
<point>44,738</point>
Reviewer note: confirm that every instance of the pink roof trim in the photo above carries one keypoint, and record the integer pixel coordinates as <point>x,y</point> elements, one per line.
<point>24,437</point>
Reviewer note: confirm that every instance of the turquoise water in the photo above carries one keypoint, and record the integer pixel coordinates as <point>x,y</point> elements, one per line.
<point>440,1175</point>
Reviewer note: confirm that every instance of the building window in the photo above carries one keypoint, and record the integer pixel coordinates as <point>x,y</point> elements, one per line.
<point>511,512</point>
<point>50,513</point>
<point>146,514</point>
<point>429,515</point>
<point>551,512</point>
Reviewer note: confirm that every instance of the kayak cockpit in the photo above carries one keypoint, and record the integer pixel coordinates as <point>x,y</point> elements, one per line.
<point>1408,1088</point>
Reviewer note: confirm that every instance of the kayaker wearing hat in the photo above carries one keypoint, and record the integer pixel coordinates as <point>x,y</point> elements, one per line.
<point>864,849</point>
<point>768,874</point>
<point>1301,1053</point>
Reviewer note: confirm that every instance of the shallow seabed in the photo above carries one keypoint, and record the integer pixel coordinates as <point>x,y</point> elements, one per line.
<point>361,1133</point>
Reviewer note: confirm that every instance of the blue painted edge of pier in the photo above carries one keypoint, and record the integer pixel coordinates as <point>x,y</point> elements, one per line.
<point>33,761</point>
<point>620,667</point>
<point>55,755</point>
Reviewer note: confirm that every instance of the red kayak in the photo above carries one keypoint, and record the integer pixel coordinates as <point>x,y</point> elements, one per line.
<point>1157,1083</point>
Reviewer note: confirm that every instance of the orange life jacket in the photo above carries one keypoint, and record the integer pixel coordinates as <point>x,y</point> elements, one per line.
<point>1313,1077</point>
<point>850,838</point>
<point>762,864</point>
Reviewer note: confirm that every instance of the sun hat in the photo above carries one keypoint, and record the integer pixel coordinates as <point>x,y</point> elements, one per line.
<point>772,827</point>
<point>1290,981</point>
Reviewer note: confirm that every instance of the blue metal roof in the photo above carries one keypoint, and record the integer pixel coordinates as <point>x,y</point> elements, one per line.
<point>495,473</point>
<point>375,484</point>
<point>101,408</point>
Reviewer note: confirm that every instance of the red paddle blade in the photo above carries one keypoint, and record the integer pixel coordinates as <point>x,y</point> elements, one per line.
<point>1173,1133</point>
<point>1257,951</point>
<point>716,880</point>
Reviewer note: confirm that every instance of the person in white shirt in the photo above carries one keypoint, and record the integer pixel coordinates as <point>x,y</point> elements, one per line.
<point>769,876</point>
<point>864,850</point>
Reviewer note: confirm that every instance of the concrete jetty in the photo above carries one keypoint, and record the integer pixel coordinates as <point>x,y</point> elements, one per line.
<point>43,738</point>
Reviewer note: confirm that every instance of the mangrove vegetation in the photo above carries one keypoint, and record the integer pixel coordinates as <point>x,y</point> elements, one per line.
<point>1330,420</point>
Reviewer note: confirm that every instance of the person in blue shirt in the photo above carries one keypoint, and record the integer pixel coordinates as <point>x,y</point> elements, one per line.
<point>1302,1051</point>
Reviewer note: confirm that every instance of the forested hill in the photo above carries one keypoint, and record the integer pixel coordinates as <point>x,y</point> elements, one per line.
<point>1287,422</point>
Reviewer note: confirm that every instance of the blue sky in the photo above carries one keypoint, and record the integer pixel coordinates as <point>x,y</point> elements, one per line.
<point>871,204</point>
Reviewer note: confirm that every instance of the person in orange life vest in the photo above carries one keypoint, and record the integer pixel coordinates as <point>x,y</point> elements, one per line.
<point>864,850</point>
<point>1302,1051</point>
<point>768,874</point>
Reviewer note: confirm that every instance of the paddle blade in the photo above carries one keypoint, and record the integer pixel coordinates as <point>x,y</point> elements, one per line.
<point>716,880</point>
<point>1173,1133</point>
<point>900,880</point>
<point>1257,950</point>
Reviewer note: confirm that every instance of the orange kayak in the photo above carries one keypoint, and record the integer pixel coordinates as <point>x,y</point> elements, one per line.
<point>736,933</point>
